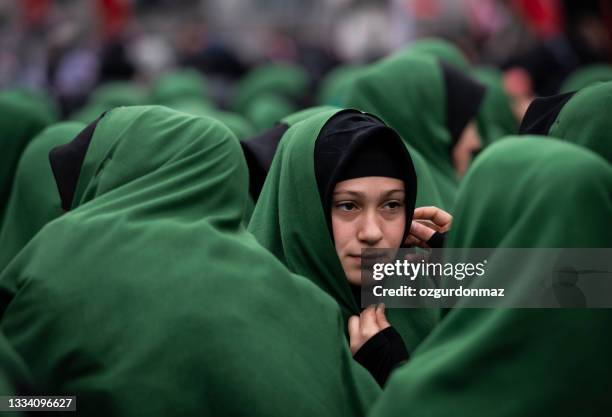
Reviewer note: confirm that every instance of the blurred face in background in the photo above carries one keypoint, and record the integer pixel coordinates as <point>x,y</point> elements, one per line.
<point>468,144</point>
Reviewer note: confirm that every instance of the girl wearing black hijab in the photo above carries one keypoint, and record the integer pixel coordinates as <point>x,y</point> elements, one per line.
<point>340,182</point>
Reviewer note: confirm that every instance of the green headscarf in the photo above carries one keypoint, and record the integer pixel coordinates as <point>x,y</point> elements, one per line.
<point>495,117</point>
<point>427,194</point>
<point>335,85</point>
<point>22,116</point>
<point>150,298</point>
<point>585,121</point>
<point>289,221</point>
<point>286,80</point>
<point>34,197</point>
<point>442,50</point>
<point>180,85</point>
<point>407,91</point>
<point>240,126</point>
<point>306,114</point>
<point>520,193</point>
<point>108,96</point>
<point>267,109</point>
<point>587,76</point>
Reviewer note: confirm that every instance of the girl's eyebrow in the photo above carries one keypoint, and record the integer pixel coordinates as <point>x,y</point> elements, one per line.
<point>399,190</point>
<point>358,193</point>
<point>349,192</point>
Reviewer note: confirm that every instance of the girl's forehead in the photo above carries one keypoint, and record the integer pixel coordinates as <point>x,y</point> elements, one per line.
<point>370,185</point>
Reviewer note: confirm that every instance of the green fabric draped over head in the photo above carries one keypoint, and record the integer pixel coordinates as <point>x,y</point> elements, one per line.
<point>289,220</point>
<point>306,114</point>
<point>441,49</point>
<point>150,298</point>
<point>587,76</point>
<point>110,95</point>
<point>267,109</point>
<point>427,193</point>
<point>407,91</point>
<point>239,126</point>
<point>286,80</point>
<point>180,85</point>
<point>335,85</point>
<point>520,193</point>
<point>34,199</point>
<point>22,116</point>
<point>585,121</point>
<point>495,118</point>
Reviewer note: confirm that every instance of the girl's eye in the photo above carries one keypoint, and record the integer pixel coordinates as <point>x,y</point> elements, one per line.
<point>393,205</point>
<point>347,206</point>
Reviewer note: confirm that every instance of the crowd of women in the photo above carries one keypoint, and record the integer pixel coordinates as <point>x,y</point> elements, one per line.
<point>161,256</point>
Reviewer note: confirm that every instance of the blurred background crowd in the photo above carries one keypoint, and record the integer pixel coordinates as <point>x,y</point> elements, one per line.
<point>68,48</point>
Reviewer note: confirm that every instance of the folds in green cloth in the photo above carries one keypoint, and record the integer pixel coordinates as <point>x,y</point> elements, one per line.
<point>407,91</point>
<point>15,378</point>
<point>285,80</point>
<point>240,126</point>
<point>306,114</point>
<point>441,49</point>
<point>495,118</point>
<point>150,298</point>
<point>289,221</point>
<point>587,76</point>
<point>266,109</point>
<point>34,199</point>
<point>179,85</point>
<point>584,119</point>
<point>22,115</point>
<point>110,95</point>
<point>335,85</point>
<point>520,193</point>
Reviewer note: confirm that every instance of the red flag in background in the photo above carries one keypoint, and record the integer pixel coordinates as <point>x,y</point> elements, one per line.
<point>545,17</point>
<point>35,12</point>
<point>115,15</point>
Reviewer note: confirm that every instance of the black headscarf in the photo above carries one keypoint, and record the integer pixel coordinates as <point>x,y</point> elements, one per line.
<point>66,163</point>
<point>354,145</point>
<point>259,152</point>
<point>542,113</point>
<point>463,98</point>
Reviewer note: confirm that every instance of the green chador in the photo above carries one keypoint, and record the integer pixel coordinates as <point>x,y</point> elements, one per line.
<point>150,298</point>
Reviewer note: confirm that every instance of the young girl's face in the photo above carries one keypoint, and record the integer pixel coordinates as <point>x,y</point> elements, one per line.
<point>366,213</point>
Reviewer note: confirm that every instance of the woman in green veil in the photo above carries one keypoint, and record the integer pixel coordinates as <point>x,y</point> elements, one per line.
<point>22,116</point>
<point>524,192</point>
<point>148,297</point>
<point>316,226</point>
<point>579,117</point>
<point>431,104</point>
<point>34,200</point>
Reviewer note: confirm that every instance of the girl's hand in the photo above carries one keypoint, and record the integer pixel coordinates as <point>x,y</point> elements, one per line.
<point>361,328</point>
<point>425,222</point>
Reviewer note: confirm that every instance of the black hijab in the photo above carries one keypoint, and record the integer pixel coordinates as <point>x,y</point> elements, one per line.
<point>259,152</point>
<point>464,95</point>
<point>66,162</point>
<point>542,113</point>
<point>354,145</point>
